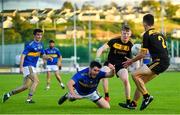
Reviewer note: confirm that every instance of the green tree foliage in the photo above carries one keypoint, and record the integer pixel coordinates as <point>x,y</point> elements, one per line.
<point>11,36</point>
<point>170,9</point>
<point>48,35</point>
<point>67,5</point>
<point>151,3</point>
<point>23,28</point>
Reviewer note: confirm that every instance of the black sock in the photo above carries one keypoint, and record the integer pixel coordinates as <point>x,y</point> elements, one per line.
<point>11,93</point>
<point>146,95</point>
<point>106,94</point>
<point>128,101</point>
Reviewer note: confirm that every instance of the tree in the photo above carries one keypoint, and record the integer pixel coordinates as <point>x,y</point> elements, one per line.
<point>170,9</point>
<point>11,37</point>
<point>113,4</point>
<point>67,5</point>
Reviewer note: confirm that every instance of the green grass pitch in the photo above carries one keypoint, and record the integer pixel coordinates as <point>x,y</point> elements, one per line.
<point>165,88</point>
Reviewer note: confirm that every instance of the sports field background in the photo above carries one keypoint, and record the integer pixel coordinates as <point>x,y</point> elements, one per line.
<point>165,89</point>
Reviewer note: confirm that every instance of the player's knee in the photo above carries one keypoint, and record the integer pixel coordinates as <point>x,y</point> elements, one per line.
<point>25,87</point>
<point>36,82</point>
<point>126,82</point>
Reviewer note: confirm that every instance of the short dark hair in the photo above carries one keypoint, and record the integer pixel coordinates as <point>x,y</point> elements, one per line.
<point>51,41</point>
<point>149,19</point>
<point>36,31</point>
<point>95,64</point>
<point>125,27</point>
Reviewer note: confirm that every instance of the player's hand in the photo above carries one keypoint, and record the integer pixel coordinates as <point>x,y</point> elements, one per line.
<point>127,63</point>
<point>111,66</point>
<point>98,59</point>
<point>50,58</point>
<point>74,96</point>
<point>21,69</point>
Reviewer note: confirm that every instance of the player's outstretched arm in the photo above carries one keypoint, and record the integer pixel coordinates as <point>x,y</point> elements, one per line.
<point>101,50</point>
<point>21,63</point>
<point>72,94</point>
<point>139,56</point>
<point>111,72</point>
<point>46,57</point>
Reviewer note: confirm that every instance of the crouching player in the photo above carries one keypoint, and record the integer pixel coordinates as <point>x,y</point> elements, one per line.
<point>84,85</point>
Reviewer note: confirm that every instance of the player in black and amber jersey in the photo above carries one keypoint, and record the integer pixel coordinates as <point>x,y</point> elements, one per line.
<point>120,47</point>
<point>155,43</point>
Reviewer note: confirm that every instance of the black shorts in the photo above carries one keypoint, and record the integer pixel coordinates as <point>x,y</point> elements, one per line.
<point>117,66</point>
<point>158,65</point>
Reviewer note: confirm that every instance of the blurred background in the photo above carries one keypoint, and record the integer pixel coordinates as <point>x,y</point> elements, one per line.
<point>80,27</point>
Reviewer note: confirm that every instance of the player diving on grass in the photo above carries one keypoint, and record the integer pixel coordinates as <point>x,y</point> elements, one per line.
<point>29,57</point>
<point>155,43</point>
<point>120,47</point>
<point>84,85</point>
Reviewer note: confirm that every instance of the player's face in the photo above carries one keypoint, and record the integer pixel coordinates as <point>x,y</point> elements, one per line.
<point>38,36</point>
<point>51,45</point>
<point>125,35</point>
<point>94,71</point>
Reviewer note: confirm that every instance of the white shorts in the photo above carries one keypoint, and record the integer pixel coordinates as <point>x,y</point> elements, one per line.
<point>93,96</point>
<point>29,70</point>
<point>52,68</point>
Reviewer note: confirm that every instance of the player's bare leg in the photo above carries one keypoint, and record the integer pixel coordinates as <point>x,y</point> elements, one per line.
<point>105,84</point>
<point>102,103</point>
<point>26,84</point>
<point>58,77</point>
<point>123,75</point>
<point>142,76</point>
<point>35,82</point>
<point>48,79</point>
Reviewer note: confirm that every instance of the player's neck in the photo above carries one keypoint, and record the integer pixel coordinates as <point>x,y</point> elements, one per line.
<point>36,40</point>
<point>124,41</point>
<point>148,28</point>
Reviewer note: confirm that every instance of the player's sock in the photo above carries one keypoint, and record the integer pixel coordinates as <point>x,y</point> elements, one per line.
<point>146,95</point>
<point>128,101</point>
<point>106,94</point>
<point>107,98</point>
<point>11,93</point>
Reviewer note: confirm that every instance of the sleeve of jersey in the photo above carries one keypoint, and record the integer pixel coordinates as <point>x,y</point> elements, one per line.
<point>101,74</point>
<point>110,43</point>
<point>76,77</point>
<point>26,49</point>
<point>145,42</point>
<point>42,50</point>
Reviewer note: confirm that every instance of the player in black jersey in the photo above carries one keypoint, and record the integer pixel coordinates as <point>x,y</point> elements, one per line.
<point>155,43</point>
<point>120,47</point>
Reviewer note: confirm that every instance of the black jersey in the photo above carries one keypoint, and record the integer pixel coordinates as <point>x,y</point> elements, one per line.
<point>119,50</point>
<point>155,43</point>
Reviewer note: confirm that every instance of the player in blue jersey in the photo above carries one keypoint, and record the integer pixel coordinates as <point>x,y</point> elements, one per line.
<point>54,65</point>
<point>84,85</point>
<point>32,51</point>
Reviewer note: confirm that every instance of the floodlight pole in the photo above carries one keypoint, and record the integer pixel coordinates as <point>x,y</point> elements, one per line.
<point>162,17</point>
<point>90,38</point>
<point>2,33</point>
<point>74,35</point>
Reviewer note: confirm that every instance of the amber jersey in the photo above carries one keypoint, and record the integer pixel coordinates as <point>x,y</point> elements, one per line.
<point>119,50</point>
<point>155,43</point>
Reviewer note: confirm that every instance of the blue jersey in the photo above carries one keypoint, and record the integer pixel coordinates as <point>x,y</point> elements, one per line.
<point>147,59</point>
<point>54,53</point>
<point>32,50</point>
<point>84,84</point>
